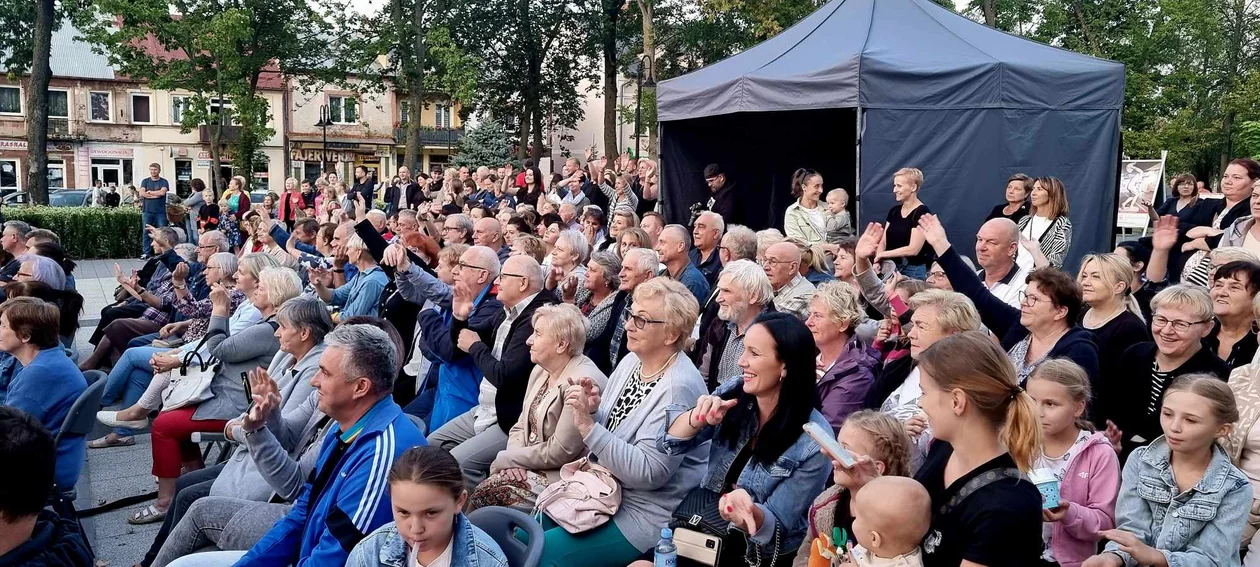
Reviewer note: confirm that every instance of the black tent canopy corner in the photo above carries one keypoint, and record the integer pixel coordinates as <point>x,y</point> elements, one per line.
<point>967,104</point>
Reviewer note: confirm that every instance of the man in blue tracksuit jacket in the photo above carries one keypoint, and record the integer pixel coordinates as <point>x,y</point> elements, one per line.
<point>345,498</point>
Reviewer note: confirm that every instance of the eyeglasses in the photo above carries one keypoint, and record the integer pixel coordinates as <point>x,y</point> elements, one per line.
<point>938,274</point>
<point>1180,326</point>
<point>1027,299</point>
<point>24,275</point>
<point>451,228</point>
<point>507,275</point>
<point>772,262</point>
<point>462,265</point>
<point>710,180</point>
<point>640,321</point>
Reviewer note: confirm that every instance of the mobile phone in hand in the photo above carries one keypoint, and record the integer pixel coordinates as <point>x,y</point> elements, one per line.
<point>827,440</point>
<point>249,391</point>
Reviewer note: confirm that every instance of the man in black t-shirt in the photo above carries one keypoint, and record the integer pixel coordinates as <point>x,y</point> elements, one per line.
<point>153,190</point>
<point>725,200</point>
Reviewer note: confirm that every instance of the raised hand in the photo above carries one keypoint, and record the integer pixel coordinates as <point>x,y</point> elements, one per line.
<point>868,244</point>
<point>180,275</point>
<point>266,400</point>
<point>320,276</point>
<point>1114,435</point>
<point>710,410</point>
<point>396,256</point>
<point>934,233</point>
<point>1165,233</point>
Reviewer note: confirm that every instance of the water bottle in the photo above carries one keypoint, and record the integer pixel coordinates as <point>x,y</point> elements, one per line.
<point>666,551</point>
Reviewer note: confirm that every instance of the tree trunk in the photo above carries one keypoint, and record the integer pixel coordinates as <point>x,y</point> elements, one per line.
<point>990,13</point>
<point>37,105</point>
<point>611,10</point>
<point>649,49</point>
<point>414,67</point>
<point>522,145</point>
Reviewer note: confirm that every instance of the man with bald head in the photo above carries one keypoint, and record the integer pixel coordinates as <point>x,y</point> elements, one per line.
<point>488,232</point>
<point>792,292</point>
<point>672,246</point>
<point>500,351</point>
<point>707,234</point>
<point>997,247</point>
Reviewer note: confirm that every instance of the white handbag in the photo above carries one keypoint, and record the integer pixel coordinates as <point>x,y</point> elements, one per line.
<point>585,496</point>
<point>190,383</point>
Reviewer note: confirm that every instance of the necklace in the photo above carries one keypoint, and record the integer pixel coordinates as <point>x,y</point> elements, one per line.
<point>1098,321</point>
<point>649,376</point>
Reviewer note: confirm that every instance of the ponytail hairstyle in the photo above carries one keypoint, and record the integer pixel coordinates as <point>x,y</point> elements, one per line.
<point>432,465</point>
<point>971,361</point>
<point>799,177</point>
<point>1114,269</point>
<point>1073,378</point>
<point>1216,391</point>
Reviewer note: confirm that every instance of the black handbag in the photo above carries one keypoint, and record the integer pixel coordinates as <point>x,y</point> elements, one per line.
<point>698,512</point>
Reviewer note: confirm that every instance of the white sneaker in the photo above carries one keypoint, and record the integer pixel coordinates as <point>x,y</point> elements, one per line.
<point>110,418</point>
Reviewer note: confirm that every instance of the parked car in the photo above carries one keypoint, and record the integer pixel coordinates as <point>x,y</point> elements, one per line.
<point>69,197</point>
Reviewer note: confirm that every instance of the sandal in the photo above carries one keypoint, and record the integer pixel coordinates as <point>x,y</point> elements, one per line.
<point>147,515</point>
<point>105,442</point>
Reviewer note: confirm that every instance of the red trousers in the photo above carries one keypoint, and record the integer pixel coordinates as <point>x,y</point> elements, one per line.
<point>171,437</point>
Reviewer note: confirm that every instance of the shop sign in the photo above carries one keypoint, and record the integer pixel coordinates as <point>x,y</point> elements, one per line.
<point>383,151</point>
<point>261,175</point>
<point>318,155</point>
<point>20,145</point>
<point>111,152</point>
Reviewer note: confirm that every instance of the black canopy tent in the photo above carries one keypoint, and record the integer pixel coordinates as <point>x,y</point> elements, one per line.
<point>967,104</point>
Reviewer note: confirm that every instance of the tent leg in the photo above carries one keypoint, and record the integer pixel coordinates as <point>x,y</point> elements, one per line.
<point>857,166</point>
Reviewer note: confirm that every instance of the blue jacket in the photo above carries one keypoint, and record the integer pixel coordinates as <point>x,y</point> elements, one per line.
<point>470,547</point>
<point>693,279</point>
<point>362,294</point>
<point>9,367</point>
<point>459,379</point>
<point>353,501</point>
<point>1198,528</point>
<point>46,389</point>
<point>783,490</point>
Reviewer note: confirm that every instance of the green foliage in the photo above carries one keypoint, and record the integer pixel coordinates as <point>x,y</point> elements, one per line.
<point>488,143</point>
<point>87,233</point>
<point>647,112</point>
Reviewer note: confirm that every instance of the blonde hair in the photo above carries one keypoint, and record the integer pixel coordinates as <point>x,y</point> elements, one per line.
<point>1233,254</point>
<point>531,245</point>
<point>1216,391</point>
<point>1114,269</point>
<point>840,193</point>
<point>954,312</point>
<point>767,238</point>
<point>1192,298</point>
<point>1072,377</point>
<point>888,438</point>
<point>972,362</point>
<point>565,323</point>
<point>913,175</point>
<point>681,308</point>
<point>451,253</point>
<point>841,301</point>
<point>282,284</point>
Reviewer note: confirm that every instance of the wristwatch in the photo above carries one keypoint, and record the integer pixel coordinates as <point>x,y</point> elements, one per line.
<point>180,287</point>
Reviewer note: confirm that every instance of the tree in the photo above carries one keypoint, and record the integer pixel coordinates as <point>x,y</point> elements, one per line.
<point>488,143</point>
<point>20,51</point>
<point>219,50</point>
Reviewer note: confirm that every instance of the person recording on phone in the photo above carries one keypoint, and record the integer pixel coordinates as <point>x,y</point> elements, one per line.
<point>755,423</point>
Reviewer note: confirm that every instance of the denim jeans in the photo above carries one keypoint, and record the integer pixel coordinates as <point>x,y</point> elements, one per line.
<point>142,340</point>
<point>190,228</point>
<point>913,271</point>
<point>151,219</point>
<point>190,488</point>
<point>128,380</point>
<point>209,559</point>
<point>226,523</point>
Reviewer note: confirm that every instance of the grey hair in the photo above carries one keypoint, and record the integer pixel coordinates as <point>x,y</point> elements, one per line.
<point>565,322</point>
<point>369,353</point>
<point>609,266</point>
<point>717,220</point>
<point>408,213</point>
<point>355,242</point>
<point>22,228</point>
<point>376,214</point>
<point>465,223</point>
<point>488,259</point>
<point>187,251</point>
<point>228,262</point>
<point>683,233</point>
<point>282,284</point>
<point>218,239</point>
<point>256,262</point>
<point>751,279</point>
<point>577,243</point>
<point>306,313</point>
<point>168,235</point>
<point>767,238</point>
<point>741,242</point>
<point>45,270</point>
<point>648,260</point>
<point>43,235</point>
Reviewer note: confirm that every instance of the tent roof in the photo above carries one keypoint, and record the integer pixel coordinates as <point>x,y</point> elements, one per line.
<point>893,54</point>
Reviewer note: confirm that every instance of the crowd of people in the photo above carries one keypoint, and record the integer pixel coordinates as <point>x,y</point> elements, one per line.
<point>385,361</point>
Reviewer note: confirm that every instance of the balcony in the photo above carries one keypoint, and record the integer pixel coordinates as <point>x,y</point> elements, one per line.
<point>229,134</point>
<point>432,137</point>
<point>59,129</point>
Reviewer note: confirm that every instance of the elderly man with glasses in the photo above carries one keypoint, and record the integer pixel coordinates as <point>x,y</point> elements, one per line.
<point>792,292</point>
<point>457,229</point>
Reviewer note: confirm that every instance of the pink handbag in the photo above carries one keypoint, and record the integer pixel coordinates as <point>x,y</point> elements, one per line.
<point>585,497</point>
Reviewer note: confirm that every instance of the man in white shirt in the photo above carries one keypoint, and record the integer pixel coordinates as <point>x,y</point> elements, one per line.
<point>997,247</point>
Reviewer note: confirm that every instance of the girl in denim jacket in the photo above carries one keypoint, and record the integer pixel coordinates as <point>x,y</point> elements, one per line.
<point>1182,503</point>
<point>426,491</point>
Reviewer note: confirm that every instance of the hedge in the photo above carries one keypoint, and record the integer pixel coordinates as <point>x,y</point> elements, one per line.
<point>87,233</point>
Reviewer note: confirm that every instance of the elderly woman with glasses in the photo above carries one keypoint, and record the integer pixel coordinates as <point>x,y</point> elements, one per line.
<point>134,371</point>
<point>568,262</point>
<point>35,268</point>
<point>1130,400</point>
<point>620,426</point>
<point>544,437</point>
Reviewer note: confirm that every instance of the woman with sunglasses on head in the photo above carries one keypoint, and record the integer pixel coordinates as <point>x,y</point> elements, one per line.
<point>804,219</point>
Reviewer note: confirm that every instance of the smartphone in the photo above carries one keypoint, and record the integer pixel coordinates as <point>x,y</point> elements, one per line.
<point>827,439</point>
<point>249,390</point>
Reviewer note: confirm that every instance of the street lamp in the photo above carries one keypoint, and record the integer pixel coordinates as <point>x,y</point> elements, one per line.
<point>323,124</point>
<point>638,101</point>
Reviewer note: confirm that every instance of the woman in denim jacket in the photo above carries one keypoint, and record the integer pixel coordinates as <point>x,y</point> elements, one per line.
<point>767,470</point>
<point>426,490</point>
<point>1182,503</point>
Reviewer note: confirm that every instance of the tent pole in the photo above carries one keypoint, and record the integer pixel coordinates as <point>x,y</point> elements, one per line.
<point>857,169</point>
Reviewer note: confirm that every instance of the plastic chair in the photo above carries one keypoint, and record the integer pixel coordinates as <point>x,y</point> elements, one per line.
<point>419,423</point>
<point>501,525</point>
<point>80,421</point>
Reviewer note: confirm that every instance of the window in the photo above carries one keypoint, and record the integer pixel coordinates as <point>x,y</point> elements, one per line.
<point>9,174</point>
<point>343,110</point>
<point>179,104</point>
<point>223,107</point>
<point>101,106</point>
<point>10,100</point>
<point>141,113</point>
<point>58,104</point>
<point>442,115</point>
<point>403,113</point>
<point>56,174</point>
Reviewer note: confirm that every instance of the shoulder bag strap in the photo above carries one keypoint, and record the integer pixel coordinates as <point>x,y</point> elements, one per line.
<point>977,483</point>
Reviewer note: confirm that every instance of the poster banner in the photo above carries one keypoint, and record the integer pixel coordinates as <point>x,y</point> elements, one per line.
<point>1139,182</point>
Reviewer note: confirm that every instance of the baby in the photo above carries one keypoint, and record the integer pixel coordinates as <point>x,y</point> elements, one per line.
<point>836,219</point>
<point>889,521</point>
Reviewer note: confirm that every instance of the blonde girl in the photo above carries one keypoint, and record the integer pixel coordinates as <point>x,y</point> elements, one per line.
<point>1080,459</point>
